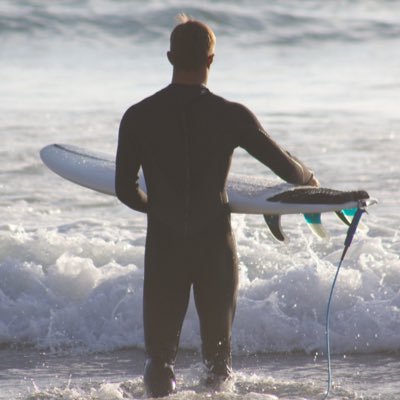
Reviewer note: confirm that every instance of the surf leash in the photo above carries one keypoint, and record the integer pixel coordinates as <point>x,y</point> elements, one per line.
<point>349,237</point>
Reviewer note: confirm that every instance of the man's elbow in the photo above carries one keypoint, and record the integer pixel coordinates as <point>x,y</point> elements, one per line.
<point>119,192</point>
<point>136,201</point>
<point>122,194</point>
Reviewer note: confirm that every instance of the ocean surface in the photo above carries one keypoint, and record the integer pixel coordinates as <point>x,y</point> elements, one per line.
<point>323,78</point>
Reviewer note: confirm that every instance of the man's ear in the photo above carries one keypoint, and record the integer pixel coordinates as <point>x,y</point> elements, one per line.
<point>210,60</point>
<point>170,57</point>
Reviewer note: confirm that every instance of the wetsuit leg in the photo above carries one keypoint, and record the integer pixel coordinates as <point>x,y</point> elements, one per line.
<point>215,292</point>
<point>165,300</point>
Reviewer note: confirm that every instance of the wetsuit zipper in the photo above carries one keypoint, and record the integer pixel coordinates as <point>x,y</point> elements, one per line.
<point>187,160</point>
<point>187,174</point>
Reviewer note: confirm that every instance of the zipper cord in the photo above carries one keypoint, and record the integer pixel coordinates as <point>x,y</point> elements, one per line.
<point>349,237</point>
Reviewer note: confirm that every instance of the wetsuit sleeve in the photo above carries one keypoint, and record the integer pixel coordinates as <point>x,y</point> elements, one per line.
<point>128,161</point>
<point>254,139</point>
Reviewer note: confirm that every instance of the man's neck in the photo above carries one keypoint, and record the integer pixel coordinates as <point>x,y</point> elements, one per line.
<point>189,77</point>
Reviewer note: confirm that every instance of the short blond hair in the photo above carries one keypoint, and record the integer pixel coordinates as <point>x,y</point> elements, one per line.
<point>191,43</point>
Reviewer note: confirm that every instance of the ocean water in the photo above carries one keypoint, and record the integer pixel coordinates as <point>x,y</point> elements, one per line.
<point>323,78</point>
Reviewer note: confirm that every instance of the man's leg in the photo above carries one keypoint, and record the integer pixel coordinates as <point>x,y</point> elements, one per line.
<point>215,291</point>
<point>165,300</point>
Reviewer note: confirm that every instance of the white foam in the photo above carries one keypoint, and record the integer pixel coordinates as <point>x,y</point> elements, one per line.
<point>61,287</point>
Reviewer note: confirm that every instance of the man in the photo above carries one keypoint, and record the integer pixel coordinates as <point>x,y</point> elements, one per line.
<point>183,137</point>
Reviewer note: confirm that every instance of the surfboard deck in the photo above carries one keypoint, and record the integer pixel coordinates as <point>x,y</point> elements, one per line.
<point>247,194</point>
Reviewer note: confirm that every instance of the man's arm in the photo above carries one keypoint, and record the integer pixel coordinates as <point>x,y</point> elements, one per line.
<point>128,161</point>
<point>260,145</point>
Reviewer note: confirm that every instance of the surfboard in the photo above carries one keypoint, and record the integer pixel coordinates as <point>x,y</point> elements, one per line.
<point>247,194</point>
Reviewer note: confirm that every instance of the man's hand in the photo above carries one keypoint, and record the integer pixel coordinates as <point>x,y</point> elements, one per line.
<point>313,182</point>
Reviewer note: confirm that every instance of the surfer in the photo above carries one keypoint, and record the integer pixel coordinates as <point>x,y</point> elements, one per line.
<point>183,138</point>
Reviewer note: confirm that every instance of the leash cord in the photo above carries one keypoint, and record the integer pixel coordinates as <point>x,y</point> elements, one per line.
<point>349,237</point>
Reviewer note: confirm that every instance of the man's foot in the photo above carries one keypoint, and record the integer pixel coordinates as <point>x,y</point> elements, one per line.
<point>218,376</point>
<point>159,378</point>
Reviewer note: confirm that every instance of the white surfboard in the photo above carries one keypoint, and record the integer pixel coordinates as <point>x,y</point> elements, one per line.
<point>247,194</point>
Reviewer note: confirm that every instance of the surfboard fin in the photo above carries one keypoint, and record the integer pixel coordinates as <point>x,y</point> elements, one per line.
<point>343,217</point>
<point>350,212</point>
<point>314,223</point>
<point>274,225</point>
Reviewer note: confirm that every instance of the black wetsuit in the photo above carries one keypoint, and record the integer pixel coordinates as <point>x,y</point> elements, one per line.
<point>183,137</point>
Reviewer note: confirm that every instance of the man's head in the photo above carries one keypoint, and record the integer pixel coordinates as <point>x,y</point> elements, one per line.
<point>192,45</point>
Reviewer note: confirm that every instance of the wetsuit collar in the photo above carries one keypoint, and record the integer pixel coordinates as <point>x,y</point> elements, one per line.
<point>186,88</point>
<point>186,85</point>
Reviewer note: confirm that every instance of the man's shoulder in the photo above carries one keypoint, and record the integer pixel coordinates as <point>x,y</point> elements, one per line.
<point>147,101</point>
<point>234,108</point>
